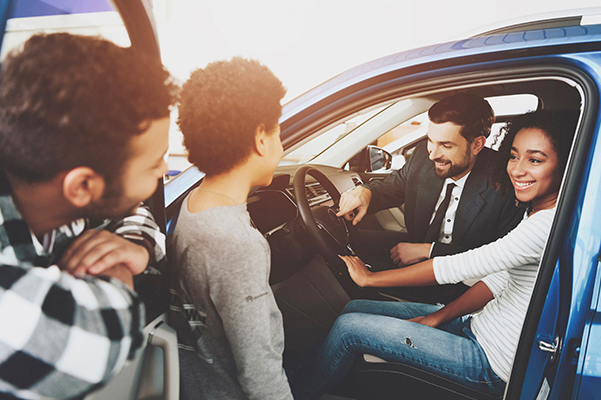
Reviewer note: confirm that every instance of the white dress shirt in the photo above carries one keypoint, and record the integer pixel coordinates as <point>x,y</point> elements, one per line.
<point>446,228</point>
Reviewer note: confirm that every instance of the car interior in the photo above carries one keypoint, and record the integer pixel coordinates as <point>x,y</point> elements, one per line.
<point>309,283</point>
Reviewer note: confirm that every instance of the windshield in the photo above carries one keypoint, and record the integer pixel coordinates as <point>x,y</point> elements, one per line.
<point>312,148</point>
<point>398,136</point>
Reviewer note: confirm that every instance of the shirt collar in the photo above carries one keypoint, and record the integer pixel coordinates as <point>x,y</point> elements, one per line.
<point>459,182</point>
<point>17,227</point>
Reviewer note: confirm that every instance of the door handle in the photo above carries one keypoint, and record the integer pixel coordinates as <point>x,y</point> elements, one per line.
<point>549,347</point>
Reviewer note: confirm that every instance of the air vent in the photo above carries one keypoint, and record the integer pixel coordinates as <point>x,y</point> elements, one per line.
<point>356,180</point>
<point>314,190</point>
<point>316,194</point>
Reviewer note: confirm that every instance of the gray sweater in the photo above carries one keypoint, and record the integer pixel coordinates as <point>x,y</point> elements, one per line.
<point>223,267</point>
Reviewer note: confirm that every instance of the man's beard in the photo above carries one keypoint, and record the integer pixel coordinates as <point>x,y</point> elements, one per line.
<point>113,204</point>
<point>454,169</point>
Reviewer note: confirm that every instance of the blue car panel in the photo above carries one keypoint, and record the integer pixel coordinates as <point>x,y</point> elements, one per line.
<point>479,46</point>
<point>589,366</point>
<point>567,310</point>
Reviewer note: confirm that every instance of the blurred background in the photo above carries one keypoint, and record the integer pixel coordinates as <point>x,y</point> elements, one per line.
<point>303,42</point>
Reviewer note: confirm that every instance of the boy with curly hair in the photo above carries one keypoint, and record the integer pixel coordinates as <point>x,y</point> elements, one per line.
<point>229,327</point>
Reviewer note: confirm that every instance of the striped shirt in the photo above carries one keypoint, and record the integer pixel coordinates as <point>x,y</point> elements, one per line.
<point>510,266</point>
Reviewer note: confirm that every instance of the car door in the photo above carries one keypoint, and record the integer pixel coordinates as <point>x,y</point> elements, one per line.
<point>562,314</point>
<point>556,358</point>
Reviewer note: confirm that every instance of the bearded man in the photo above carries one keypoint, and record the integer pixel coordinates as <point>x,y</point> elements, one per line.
<point>83,135</point>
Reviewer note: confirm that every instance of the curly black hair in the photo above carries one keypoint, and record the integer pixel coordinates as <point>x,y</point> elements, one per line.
<point>220,108</point>
<point>558,126</point>
<point>68,100</point>
<point>471,112</point>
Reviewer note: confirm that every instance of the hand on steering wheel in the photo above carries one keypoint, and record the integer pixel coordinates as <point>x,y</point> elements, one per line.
<point>331,234</point>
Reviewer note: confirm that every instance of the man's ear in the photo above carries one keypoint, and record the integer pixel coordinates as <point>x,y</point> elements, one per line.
<point>82,186</point>
<point>478,144</point>
<point>260,140</point>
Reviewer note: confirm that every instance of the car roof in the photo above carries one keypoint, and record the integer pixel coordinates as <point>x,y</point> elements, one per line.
<point>554,40</point>
<point>553,19</point>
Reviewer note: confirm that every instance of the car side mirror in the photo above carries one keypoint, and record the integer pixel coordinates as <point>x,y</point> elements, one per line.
<point>370,159</point>
<point>379,159</point>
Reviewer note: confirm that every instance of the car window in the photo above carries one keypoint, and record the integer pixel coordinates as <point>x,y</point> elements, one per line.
<point>399,139</point>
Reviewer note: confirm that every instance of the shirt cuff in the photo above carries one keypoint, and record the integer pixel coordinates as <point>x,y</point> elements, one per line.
<point>438,270</point>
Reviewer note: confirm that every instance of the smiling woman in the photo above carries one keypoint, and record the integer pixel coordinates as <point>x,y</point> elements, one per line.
<point>534,144</point>
<point>531,168</point>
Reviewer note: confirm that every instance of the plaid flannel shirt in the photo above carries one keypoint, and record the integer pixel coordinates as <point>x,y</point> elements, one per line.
<point>63,336</point>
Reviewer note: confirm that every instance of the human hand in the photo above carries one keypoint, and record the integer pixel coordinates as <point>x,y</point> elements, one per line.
<point>428,320</point>
<point>96,251</point>
<point>357,270</point>
<point>358,199</point>
<point>121,272</point>
<point>410,253</point>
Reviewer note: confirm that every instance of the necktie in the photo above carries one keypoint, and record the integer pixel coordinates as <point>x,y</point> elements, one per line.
<point>434,230</point>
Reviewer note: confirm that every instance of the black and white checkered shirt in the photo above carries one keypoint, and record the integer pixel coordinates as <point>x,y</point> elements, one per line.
<point>62,336</point>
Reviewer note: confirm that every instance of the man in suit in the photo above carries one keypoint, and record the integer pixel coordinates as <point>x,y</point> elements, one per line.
<point>449,205</point>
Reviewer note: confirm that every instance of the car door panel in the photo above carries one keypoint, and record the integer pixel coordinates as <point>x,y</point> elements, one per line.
<point>589,366</point>
<point>572,249</point>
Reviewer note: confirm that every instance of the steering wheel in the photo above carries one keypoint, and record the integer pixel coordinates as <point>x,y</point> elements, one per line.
<point>331,234</point>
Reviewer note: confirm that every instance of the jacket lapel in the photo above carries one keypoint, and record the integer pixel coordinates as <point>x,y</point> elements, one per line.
<point>426,198</point>
<point>471,201</point>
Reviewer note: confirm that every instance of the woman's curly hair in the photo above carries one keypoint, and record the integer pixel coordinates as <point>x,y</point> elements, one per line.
<point>69,100</point>
<point>220,108</point>
<point>558,127</point>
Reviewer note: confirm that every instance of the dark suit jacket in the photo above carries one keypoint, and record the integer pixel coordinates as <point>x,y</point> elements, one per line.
<point>482,214</point>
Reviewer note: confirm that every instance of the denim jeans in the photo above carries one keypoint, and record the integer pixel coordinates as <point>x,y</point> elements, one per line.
<point>380,328</point>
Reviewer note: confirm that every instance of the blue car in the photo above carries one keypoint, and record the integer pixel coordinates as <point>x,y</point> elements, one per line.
<point>358,127</point>
<point>354,127</point>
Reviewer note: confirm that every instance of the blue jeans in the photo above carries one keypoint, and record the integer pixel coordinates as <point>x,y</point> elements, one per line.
<point>380,328</point>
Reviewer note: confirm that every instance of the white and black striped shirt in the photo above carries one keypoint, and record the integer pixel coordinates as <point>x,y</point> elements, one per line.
<point>510,266</point>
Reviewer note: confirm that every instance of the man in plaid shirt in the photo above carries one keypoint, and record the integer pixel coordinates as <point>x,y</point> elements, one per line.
<point>83,134</point>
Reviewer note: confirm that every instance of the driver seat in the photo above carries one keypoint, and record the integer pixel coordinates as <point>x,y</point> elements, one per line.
<point>383,380</point>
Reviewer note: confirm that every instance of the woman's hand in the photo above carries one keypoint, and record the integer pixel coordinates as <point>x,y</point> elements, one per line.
<point>357,270</point>
<point>429,320</point>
